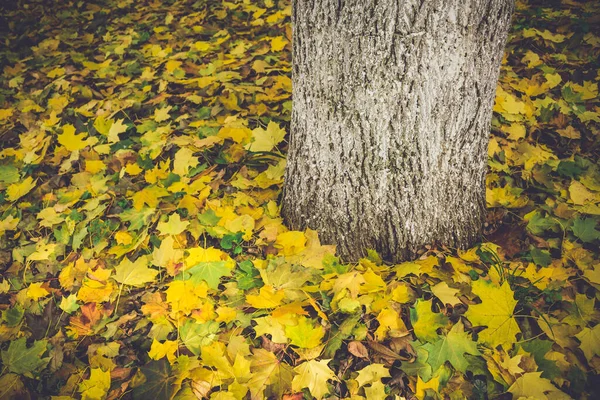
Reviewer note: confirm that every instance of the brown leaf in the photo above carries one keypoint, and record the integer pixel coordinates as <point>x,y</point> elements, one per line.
<point>358,349</point>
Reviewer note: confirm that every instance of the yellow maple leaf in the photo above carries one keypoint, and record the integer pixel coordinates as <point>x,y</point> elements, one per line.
<point>202,46</point>
<point>581,195</point>
<point>9,224</point>
<point>96,288</point>
<point>96,386</point>
<point>237,134</point>
<point>266,140</point>
<point>94,166</point>
<point>166,254</point>
<point>226,314</point>
<point>185,296</point>
<point>506,196</point>
<point>304,334</point>
<point>422,386</point>
<point>167,349</point>
<point>372,373</point>
<point>200,254</point>
<point>174,226</point>
<point>552,80</point>
<point>267,298</point>
<point>515,131</point>
<point>445,293</point>
<point>532,59</point>
<point>290,243</point>
<point>278,43</point>
<point>162,114</point>
<point>35,291</point>
<point>150,196</point>
<point>56,72</point>
<point>313,375</point>
<point>532,386</point>
<point>184,161</point>
<point>102,124</point>
<point>116,128</point>
<point>17,190</point>
<point>402,293</point>
<point>6,113</point>
<point>495,312</point>
<point>389,322</point>
<point>590,341</point>
<point>134,273</point>
<point>123,237</point>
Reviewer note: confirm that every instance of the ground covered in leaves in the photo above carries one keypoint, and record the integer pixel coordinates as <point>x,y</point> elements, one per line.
<point>143,255</point>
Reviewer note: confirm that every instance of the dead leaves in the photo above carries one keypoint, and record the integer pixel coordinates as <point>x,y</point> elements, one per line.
<point>141,165</point>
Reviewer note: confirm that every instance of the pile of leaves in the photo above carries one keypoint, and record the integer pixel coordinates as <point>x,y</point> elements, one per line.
<point>143,254</point>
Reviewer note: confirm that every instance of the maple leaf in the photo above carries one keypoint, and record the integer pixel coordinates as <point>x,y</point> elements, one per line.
<point>210,272</point>
<point>166,253</point>
<point>35,291</point>
<point>71,141</point>
<point>266,140</point>
<point>134,273</point>
<point>290,243</point>
<point>184,161</point>
<point>268,298</point>
<point>194,335</point>
<point>174,226</point>
<point>389,322</point>
<point>313,375</point>
<point>304,334</point>
<point>268,372</point>
<point>162,114</point>
<point>271,326</point>
<point>590,341</point>
<point>150,196</point>
<point>422,386</point>
<point>425,322</point>
<point>372,373</point>
<point>159,350</point>
<point>495,312</point>
<point>17,190</point>
<point>446,294</point>
<point>185,295</point>
<point>96,386</point>
<point>20,359</point>
<point>452,348</point>
<point>532,385</point>
<point>116,128</point>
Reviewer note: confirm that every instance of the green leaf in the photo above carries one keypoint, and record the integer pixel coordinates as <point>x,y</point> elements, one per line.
<point>539,348</point>
<point>541,257</point>
<point>208,218</point>
<point>304,334</point>
<point>195,335</point>
<point>13,316</point>
<point>452,348</point>
<point>425,322</point>
<point>211,272</point>
<point>585,229</point>
<point>22,360</point>
<point>160,384</point>
<point>538,224</point>
<point>419,367</point>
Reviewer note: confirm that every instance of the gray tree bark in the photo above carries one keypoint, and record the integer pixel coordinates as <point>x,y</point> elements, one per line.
<point>392,102</point>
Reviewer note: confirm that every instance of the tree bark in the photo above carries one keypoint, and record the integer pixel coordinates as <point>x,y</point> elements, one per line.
<point>392,102</point>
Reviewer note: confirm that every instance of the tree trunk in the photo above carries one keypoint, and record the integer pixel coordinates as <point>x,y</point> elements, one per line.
<point>392,102</point>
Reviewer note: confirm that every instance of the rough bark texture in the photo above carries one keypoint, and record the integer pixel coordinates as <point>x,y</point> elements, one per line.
<point>392,102</point>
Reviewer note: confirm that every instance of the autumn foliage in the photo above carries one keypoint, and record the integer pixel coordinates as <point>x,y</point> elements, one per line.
<point>143,254</point>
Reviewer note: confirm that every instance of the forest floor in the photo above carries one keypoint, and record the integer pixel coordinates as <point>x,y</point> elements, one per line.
<point>143,255</point>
